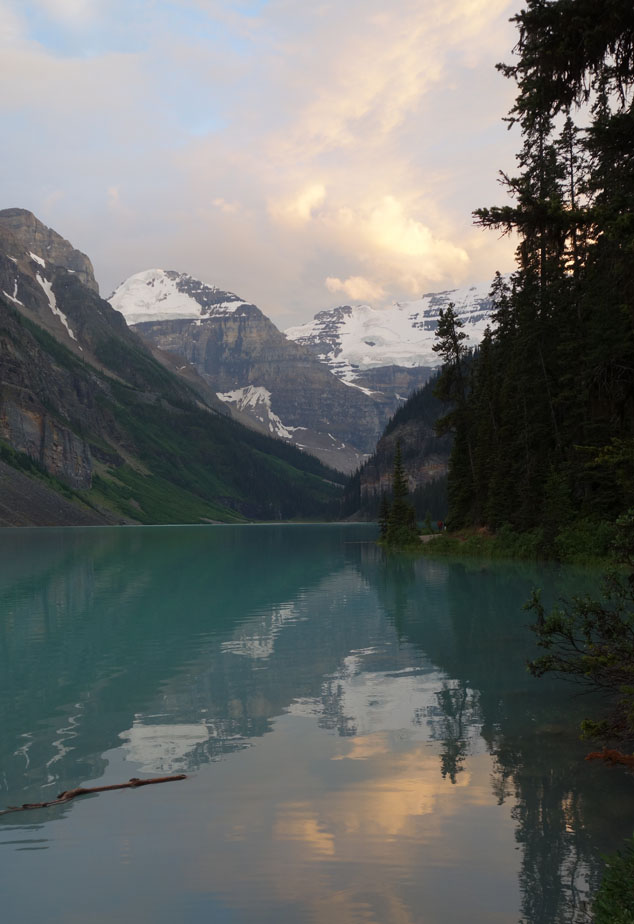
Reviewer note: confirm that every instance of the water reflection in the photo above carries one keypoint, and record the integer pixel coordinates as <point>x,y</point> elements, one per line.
<point>98,627</point>
<point>377,745</point>
<point>478,635</point>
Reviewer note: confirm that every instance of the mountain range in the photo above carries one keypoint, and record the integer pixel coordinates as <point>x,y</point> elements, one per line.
<point>134,408</point>
<point>328,386</point>
<point>387,348</point>
<point>97,427</point>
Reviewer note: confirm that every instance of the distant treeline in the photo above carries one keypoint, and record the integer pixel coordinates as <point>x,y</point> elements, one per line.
<point>419,413</point>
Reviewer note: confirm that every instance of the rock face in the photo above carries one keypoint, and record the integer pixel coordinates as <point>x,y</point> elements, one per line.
<point>47,244</point>
<point>425,459</point>
<point>86,406</point>
<point>390,349</point>
<point>253,367</point>
<point>32,389</point>
<point>49,291</point>
<point>31,430</point>
<point>44,407</point>
<point>54,297</point>
<point>27,502</point>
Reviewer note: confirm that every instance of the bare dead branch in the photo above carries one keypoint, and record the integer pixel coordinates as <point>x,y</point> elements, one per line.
<point>69,794</point>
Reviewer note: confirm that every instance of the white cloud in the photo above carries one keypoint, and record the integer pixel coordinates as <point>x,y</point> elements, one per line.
<point>55,196</point>
<point>229,208</point>
<point>355,287</point>
<point>115,203</point>
<point>346,142</point>
<point>70,11</point>
<point>300,208</point>
<point>398,252</point>
<point>11,26</point>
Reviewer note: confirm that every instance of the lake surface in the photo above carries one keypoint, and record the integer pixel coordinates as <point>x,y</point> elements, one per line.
<point>361,738</point>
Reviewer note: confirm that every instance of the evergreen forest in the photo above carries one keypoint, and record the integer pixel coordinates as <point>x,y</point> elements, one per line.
<point>543,414</point>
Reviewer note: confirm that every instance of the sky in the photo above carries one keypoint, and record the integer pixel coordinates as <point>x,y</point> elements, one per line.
<point>301,153</point>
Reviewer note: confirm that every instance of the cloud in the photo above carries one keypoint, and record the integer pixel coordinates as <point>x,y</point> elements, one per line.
<point>228,207</point>
<point>397,252</point>
<point>299,209</point>
<point>70,11</point>
<point>11,28</point>
<point>355,287</point>
<point>53,198</point>
<point>115,203</point>
<point>294,153</point>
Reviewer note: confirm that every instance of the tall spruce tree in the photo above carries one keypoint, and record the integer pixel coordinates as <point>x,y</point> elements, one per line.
<point>384,517</point>
<point>550,397</point>
<point>452,387</point>
<point>401,521</point>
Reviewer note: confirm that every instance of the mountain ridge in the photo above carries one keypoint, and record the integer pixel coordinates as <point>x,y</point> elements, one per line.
<point>321,386</point>
<point>252,366</point>
<point>111,425</point>
<point>356,341</point>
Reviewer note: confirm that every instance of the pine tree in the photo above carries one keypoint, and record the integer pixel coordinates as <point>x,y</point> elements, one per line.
<point>384,517</point>
<point>552,386</point>
<point>400,488</point>
<point>453,388</point>
<point>401,525</point>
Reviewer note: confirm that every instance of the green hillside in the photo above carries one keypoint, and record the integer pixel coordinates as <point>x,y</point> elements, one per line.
<point>158,454</point>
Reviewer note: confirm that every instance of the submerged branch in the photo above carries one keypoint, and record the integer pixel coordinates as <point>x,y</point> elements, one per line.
<point>69,794</point>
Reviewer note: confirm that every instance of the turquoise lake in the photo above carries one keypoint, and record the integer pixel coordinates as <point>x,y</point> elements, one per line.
<point>362,740</point>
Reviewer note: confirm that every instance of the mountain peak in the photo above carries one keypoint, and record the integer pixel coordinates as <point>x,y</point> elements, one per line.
<point>47,245</point>
<point>356,339</point>
<point>167,295</point>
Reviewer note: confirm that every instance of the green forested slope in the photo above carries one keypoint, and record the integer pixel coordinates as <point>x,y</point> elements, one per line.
<point>156,454</point>
<point>547,434</point>
<point>424,456</point>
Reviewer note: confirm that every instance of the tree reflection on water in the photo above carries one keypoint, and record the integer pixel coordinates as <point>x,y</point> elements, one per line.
<point>469,622</point>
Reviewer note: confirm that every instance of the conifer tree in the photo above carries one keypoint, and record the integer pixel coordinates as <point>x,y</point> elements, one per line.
<point>384,517</point>
<point>400,488</point>
<point>452,387</point>
<point>552,386</point>
<point>401,525</point>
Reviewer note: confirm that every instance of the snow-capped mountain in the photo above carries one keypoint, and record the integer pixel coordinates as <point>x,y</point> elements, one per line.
<point>265,379</point>
<point>356,340</point>
<point>328,386</point>
<point>164,295</point>
<point>87,402</point>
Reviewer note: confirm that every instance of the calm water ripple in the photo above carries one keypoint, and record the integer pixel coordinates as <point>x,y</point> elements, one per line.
<point>361,738</point>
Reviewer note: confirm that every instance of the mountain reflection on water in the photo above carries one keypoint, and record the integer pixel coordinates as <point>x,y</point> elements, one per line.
<point>361,728</point>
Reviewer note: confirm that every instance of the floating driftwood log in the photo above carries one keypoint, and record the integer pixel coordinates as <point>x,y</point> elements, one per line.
<point>69,794</point>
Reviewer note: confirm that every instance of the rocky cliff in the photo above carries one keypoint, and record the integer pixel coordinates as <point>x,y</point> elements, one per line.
<point>90,412</point>
<point>47,244</point>
<point>425,459</point>
<point>253,367</point>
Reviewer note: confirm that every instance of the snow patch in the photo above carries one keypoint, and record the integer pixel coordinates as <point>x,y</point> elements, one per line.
<point>14,297</point>
<point>351,339</point>
<point>163,748</point>
<point>153,296</point>
<point>257,639</point>
<point>37,259</point>
<point>52,301</point>
<point>256,401</point>
<point>161,295</point>
<point>366,391</point>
